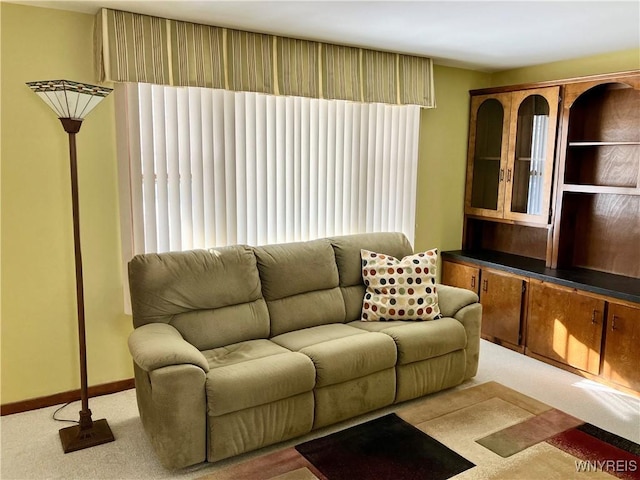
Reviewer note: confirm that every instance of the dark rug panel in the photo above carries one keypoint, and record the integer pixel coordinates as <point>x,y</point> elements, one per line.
<point>611,438</point>
<point>387,448</point>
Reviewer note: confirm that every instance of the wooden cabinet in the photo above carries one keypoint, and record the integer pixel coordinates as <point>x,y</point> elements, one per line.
<point>529,151</point>
<point>511,151</point>
<point>459,275</point>
<point>622,346</point>
<point>501,296</point>
<point>565,325</point>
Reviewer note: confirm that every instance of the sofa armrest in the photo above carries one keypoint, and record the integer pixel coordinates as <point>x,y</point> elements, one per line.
<point>158,345</point>
<point>452,299</point>
<point>471,319</point>
<point>464,306</point>
<point>173,409</point>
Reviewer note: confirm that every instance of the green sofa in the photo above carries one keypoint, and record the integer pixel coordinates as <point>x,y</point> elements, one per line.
<point>240,347</point>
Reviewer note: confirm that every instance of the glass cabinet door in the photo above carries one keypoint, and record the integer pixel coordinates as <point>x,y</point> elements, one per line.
<point>530,167</point>
<point>531,156</point>
<point>485,175</point>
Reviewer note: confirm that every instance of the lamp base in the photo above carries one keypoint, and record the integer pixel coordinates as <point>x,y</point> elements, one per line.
<point>77,438</point>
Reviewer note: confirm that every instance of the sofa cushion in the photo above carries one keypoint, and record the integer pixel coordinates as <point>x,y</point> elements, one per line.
<point>347,252</point>
<point>300,285</point>
<point>399,289</point>
<point>258,381</point>
<point>341,352</point>
<point>305,310</point>
<point>299,339</point>
<point>206,329</point>
<point>420,340</point>
<point>190,290</point>
<point>241,352</point>
<point>352,357</point>
<point>289,269</point>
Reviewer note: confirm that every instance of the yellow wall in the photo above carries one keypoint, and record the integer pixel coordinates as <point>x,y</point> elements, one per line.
<point>443,159</point>
<point>39,335</point>
<point>38,330</point>
<point>606,63</point>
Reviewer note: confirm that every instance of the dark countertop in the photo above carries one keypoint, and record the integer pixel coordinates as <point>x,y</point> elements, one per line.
<point>616,286</point>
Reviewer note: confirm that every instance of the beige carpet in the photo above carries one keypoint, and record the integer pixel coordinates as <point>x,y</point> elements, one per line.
<point>506,434</point>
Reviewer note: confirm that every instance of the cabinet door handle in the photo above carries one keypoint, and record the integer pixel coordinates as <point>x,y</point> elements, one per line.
<point>613,322</point>
<point>501,174</point>
<point>473,281</point>
<point>485,285</point>
<point>508,175</point>
<point>593,316</point>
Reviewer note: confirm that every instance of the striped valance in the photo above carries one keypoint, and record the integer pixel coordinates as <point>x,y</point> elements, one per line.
<point>139,48</point>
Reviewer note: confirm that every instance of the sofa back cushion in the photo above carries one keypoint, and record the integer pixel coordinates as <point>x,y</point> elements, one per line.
<point>347,253</point>
<point>300,284</point>
<point>212,297</point>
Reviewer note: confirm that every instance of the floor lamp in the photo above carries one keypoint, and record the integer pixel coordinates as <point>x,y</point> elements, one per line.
<point>72,101</point>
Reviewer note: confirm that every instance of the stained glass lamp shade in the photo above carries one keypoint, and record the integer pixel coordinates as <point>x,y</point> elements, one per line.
<point>69,99</point>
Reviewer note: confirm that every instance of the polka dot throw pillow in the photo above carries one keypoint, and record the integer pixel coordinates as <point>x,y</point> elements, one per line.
<point>399,289</point>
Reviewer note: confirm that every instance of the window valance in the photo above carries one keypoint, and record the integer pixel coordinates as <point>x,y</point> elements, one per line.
<point>131,47</point>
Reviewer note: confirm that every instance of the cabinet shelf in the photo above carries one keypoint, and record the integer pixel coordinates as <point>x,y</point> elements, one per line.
<point>529,159</point>
<point>603,165</point>
<point>577,188</point>
<point>602,144</point>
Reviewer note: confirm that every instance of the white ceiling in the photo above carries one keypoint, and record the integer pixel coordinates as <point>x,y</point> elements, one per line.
<point>481,35</point>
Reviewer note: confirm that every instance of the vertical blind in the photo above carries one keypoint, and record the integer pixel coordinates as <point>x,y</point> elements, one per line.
<point>204,167</point>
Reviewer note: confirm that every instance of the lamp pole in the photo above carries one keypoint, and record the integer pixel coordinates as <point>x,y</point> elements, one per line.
<point>72,126</point>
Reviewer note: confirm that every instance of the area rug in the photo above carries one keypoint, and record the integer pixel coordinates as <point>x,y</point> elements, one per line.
<point>483,432</point>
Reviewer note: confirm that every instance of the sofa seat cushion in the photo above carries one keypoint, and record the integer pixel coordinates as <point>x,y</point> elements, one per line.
<point>258,379</point>
<point>299,339</point>
<point>341,352</point>
<point>352,357</point>
<point>418,341</point>
<point>241,352</point>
